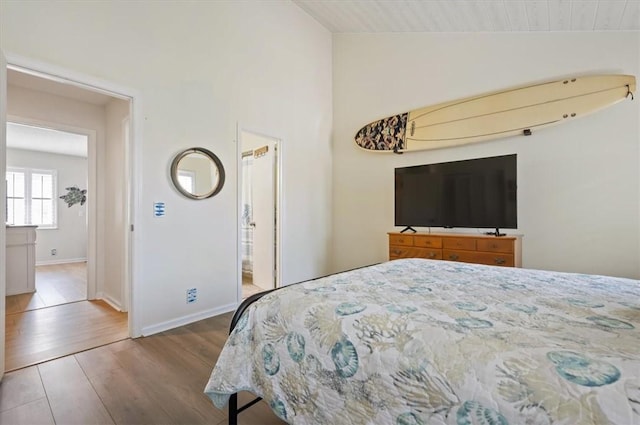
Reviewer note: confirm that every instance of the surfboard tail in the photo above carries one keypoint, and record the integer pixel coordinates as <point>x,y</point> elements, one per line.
<point>463,125</point>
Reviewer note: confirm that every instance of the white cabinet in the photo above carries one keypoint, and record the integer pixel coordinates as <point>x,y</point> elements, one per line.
<point>21,259</point>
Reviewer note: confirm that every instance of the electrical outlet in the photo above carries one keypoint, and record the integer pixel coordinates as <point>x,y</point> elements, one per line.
<point>54,252</point>
<point>192,295</point>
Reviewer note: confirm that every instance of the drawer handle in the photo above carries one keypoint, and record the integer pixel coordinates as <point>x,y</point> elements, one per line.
<point>432,255</point>
<point>500,261</point>
<point>397,251</point>
<point>453,257</point>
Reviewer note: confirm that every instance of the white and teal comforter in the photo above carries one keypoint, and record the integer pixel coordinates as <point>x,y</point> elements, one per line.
<point>436,342</point>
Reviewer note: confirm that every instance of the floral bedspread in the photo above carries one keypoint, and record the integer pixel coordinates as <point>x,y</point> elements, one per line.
<point>434,342</point>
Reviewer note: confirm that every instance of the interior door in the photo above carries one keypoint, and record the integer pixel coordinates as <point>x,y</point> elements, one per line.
<point>263,193</point>
<point>3,202</point>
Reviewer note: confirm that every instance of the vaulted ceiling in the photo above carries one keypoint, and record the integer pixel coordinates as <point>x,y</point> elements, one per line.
<point>359,16</point>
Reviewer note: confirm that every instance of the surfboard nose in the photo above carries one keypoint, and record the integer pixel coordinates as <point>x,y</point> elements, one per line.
<point>383,135</point>
<point>366,136</point>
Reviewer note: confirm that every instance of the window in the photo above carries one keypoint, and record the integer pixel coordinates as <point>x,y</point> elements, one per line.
<point>31,197</point>
<point>187,180</point>
<point>16,203</point>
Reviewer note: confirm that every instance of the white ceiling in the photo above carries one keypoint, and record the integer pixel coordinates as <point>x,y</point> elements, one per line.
<point>360,16</point>
<point>45,140</point>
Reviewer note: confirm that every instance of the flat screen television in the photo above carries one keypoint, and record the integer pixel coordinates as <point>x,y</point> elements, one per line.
<point>479,193</point>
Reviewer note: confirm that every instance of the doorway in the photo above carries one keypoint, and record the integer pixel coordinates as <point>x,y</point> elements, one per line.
<point>47,178</point>
<point>65,102</point>
<point>259,194</point>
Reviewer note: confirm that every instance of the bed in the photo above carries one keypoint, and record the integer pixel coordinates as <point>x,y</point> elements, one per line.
<point>415,341</point>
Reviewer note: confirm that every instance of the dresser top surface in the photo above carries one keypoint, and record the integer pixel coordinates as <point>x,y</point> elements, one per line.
<point>456,235</point>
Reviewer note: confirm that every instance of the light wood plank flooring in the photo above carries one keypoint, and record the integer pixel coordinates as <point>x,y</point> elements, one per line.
<point>39,335</point>
<point>248,288</point>
<point>154,380</point>
<point>55,284</point>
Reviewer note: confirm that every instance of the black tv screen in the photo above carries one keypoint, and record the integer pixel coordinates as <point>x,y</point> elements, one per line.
<point>473,193</point>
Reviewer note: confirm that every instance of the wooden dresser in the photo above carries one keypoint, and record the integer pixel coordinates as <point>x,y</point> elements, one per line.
<point>468,248</point>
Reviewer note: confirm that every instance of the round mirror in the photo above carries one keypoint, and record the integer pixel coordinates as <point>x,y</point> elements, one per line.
<point>197,173</point>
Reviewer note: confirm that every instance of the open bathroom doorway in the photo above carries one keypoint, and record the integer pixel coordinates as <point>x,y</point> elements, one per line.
<point>259,221</point>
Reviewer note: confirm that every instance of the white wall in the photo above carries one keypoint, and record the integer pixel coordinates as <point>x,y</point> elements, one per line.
<point>199,68</point>
<point>69,239</point>
<point>578,187</point>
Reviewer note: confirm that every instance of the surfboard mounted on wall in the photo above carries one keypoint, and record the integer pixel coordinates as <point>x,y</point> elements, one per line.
<point>520,110</point>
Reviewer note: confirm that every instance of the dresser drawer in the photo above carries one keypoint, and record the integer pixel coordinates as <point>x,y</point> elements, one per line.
<point>495,245</point>
<point>497,259</point>
<point>396,252</point>
<point>427,241</point>
<point>430,254</point>
<point>404,240</point>
<point>451,255</point>
<point>468,244</point>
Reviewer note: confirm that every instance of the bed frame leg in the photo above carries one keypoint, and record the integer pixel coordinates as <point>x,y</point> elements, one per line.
<point>233,409</point>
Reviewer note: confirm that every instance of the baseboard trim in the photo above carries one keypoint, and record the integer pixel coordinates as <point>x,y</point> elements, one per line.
<point>61,261</point>
<point>185,320</point>
<point>112,302</point>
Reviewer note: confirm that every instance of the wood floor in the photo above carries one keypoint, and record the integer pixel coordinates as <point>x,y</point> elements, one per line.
<point>248,288</point>
<point>52,322</point>
<point>55,284</point>
<point>154,380</point>
<point>44,334</point>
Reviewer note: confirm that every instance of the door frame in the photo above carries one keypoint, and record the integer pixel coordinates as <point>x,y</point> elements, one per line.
<point>3,201</point>
<point>132,154</point>
<point>279,197</point>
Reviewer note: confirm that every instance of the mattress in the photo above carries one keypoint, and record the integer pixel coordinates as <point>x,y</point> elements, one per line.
<point>415,341</point>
